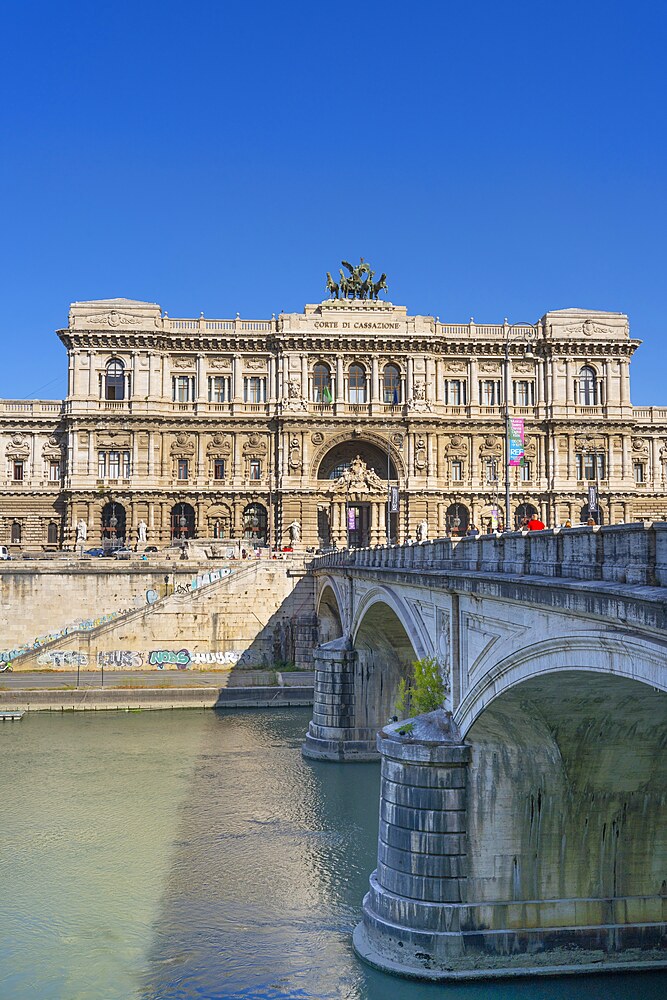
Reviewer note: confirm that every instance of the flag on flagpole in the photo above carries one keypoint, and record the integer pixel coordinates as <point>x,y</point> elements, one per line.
<point>326,394</point>
<point>395,400</point>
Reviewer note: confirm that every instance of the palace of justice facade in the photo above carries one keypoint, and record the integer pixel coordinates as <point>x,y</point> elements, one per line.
<point>240,428</point>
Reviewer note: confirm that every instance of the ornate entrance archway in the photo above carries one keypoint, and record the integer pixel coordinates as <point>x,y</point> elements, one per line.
<point>360,474</point>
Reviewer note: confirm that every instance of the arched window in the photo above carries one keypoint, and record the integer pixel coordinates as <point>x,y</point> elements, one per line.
<point>391,378</point>
<point>114,380</point>
<point>357,384</point>
<point>588,386</point>
<point>322,384</point>
<point>525,511</point>
<point>255,523</point>
<point>52,533</point>
<point>183,522</point>
<point>16,533</point>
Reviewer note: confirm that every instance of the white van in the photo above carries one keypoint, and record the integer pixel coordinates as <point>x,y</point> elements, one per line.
<point>4,552</point>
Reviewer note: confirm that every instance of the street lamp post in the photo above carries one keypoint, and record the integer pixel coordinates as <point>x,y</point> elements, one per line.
<point>523,334</point>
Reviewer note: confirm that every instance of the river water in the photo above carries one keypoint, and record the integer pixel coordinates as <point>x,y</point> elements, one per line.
<point>160,855</point>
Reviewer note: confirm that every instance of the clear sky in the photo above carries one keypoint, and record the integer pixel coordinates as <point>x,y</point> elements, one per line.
<point>494,158</point>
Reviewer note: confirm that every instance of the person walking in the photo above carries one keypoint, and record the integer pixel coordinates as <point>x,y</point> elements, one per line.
<point>535,524</point>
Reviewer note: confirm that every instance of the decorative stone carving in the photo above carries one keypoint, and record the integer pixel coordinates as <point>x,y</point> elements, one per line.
<point>455,368</point>
<point>295,462</point>
<point>359,479</point>
<point>443,647</point>
<point>456,447</point>
<point>219,445</point>
<point>420,454</point>
<point>639,445</point>
<point>490,447</point>
<point>113,319</point>
<point>183,363</point>
<point>397,440</point>
<point>221,363</point>
<point>587,329</point>
<point>418,400</point>
<point>256,364</point>
<point>254,444</point>
<point>317,438</point>
<point>183,446</point>
<point>295,401</point>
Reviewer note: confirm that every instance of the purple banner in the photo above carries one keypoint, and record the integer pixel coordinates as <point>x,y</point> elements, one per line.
<point>351,519</point>
<point>516,441</point>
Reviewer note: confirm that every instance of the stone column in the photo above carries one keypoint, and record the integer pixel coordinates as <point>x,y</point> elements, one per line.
<point>412,915</point>
<point>166,386</point>
<point>237,380</point>
<point>339,379</point>
<point>375,380</point>
<point>201,387</point>
<point>332,734</point>
<point>410,384</point>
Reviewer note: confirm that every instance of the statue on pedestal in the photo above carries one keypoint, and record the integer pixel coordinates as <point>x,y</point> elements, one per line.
<point>422,531</point>
<point>81,531</point>
<point>295,532</point>
<point>141,529</point>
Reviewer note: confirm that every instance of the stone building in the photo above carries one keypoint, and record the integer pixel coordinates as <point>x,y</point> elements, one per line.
<point>291,429</point>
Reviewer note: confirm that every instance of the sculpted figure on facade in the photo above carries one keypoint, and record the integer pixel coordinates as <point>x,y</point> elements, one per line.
<point>141,530</point>
<point>295,531</point>
<point>422,531</point>
<point>359,478</point>
<point>81,531</point>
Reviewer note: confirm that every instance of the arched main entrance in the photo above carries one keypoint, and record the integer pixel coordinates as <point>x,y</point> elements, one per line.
<point>524,510</point>
<point>360,473</point>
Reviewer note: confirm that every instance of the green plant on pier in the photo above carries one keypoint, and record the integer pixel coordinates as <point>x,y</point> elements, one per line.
<point>423,690</point>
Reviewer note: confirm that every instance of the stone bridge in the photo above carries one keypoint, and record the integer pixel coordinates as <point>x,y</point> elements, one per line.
<point>549,848</point>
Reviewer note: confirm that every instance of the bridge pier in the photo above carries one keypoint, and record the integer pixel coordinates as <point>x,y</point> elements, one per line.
<point>418,918</point>
<point>332,733</point>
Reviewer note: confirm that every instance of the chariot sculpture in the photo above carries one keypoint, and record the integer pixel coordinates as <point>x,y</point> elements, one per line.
<point>358,284</point>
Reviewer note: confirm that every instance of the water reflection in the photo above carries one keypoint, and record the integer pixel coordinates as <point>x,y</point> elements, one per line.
<point>197,855</point>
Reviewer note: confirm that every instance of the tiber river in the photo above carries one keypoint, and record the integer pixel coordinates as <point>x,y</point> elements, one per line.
<point>160,855</point>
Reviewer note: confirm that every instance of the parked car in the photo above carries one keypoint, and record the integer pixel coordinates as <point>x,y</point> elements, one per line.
<point>4,552</point>
<point>94,552</point>
<point>122,553</point>
<point>151,548</point>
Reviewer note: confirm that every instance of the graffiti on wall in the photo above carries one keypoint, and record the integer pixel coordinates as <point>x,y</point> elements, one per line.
<point>63,658</point>
<point>117,659</point>
<point>164,657</point>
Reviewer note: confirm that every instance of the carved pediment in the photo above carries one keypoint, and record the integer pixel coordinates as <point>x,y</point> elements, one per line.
<point>113,440</point>
<point>18,447</point>
<point>491,446</point>
<point>254,445</point>
<point>456,447</point>
<point>219,445</point>
<point>183,446</point>
<point>52,448</point>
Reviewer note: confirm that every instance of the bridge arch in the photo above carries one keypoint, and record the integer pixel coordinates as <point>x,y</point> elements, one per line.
<point>570,781</point>
<point>386,640</point>
<point>594,651</point>
<point>329,615</point>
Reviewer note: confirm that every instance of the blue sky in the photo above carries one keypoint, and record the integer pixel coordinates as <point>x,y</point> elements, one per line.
<point>495,159</point>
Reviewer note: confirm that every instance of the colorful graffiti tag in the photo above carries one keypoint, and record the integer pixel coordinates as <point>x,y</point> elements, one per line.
<point>63,658</point>
<point>161,657</point>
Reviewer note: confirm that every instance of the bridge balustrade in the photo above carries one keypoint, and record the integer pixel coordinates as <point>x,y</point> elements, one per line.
<point>634,554</point>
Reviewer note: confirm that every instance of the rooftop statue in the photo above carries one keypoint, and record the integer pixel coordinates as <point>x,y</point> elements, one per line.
<point>358,284</point>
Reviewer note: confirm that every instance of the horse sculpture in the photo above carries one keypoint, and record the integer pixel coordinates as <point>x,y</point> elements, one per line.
<point>378,286</point>
<point>332,286</point>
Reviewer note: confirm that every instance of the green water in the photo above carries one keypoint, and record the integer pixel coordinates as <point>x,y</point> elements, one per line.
<point>197,855</point>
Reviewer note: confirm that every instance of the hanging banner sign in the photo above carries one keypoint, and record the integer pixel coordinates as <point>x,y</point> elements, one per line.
<point>592,499</point>
<point>516,441</point>
<point>393,499</point>
<point>351,519</point>
<point>494,518</point>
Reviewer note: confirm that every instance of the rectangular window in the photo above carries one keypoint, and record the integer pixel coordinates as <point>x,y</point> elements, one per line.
<point>183,389</point>
<point>182,468</point>
<point>524,393</point>
<point>640,472</point>
<point>489,392</point>
<point>455,392</point>
<point>591,467</point>
<point>525,471</point>
<point>114,464</point>
<point>54,472</point>
<point>255,469</point>
<point>219,468</point>
<point>101,464</point>
<point>491,470</point>
<point>457,471</point>
<point>18,471</point>
<point>219,389</point>
<point>254,390</point>
<point>127,465</point>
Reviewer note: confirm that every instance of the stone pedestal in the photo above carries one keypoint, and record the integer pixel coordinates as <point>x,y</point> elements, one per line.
<point>332,734</point>
<point>410,915</point>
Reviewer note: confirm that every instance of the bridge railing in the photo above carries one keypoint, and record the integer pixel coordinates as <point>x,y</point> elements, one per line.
<point>626,553</point>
